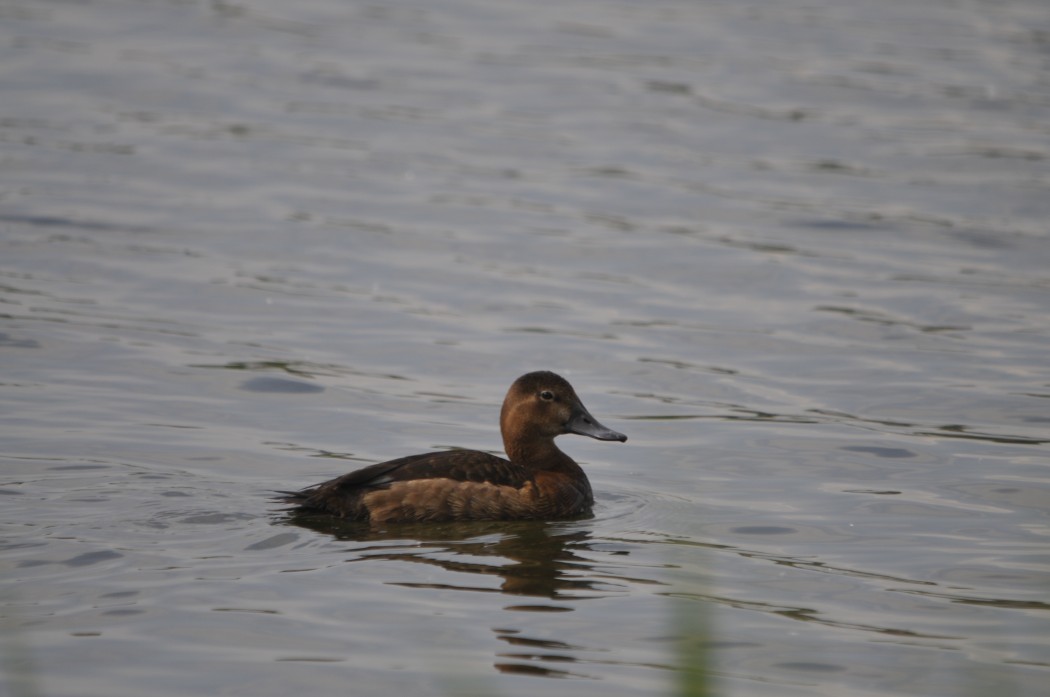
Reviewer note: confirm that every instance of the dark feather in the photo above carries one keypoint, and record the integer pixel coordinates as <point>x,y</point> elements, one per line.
<point>457,465</point>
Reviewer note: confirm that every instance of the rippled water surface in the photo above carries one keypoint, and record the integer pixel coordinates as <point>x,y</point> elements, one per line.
<point>798,252</point>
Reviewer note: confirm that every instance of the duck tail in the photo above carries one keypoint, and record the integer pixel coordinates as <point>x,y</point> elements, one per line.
<point>292,498</point>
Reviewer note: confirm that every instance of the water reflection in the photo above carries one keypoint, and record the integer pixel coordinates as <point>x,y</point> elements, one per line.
<point>533,558</point>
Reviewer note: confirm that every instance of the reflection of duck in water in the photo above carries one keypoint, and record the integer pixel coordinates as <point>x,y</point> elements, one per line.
<point>539,481</point>
<point>531,557</point>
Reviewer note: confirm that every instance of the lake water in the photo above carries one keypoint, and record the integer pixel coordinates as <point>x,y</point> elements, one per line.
<point>797,251</point>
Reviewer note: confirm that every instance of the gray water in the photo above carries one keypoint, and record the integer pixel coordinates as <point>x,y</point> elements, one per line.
<point>798,252</point>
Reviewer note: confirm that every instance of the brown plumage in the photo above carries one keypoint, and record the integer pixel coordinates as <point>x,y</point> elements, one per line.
<point>538,481</point>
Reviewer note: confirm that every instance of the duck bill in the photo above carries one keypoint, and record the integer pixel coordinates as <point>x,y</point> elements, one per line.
<point>581,422</point>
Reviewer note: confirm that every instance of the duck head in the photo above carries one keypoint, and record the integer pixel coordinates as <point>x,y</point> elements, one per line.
<point>541,406</point>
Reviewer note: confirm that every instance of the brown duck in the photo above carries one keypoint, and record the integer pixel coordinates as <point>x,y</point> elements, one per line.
<point>539,481</point>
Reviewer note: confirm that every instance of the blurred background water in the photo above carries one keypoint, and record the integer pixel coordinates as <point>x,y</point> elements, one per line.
<point>797,251</point>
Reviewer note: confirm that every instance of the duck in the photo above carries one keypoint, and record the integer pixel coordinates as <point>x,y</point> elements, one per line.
<point>536,480</point>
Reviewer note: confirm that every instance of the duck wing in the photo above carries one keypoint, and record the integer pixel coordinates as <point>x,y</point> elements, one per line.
<point>456,465</point>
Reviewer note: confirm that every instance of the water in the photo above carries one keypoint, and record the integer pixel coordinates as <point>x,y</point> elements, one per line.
<point>798,252</point>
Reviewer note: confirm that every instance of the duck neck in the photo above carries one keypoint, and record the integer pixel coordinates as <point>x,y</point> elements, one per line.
<point>528,445</point>
<point>540,455</point>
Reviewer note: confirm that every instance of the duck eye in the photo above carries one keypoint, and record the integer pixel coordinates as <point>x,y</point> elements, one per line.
<point>546,395</point>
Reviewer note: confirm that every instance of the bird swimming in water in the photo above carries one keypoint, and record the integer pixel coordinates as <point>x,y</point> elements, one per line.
<point>538,481</point>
